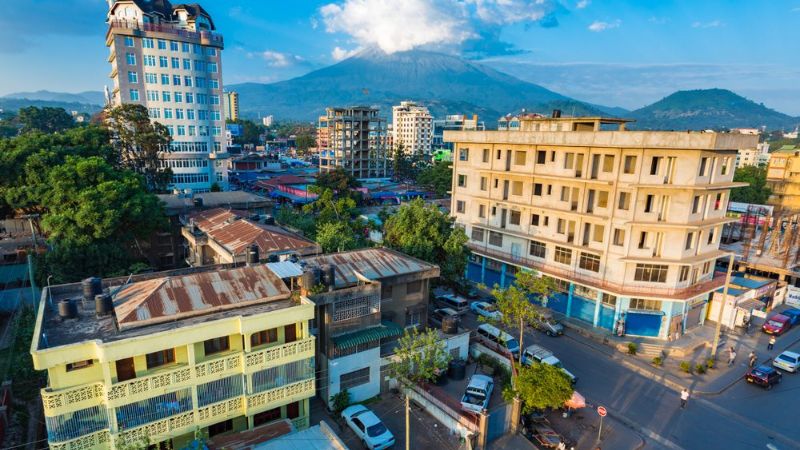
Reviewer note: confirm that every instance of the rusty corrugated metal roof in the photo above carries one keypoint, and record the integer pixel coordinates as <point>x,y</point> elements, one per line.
<point>373,263</point>
<point>169,298</point>
<point>229,230</point>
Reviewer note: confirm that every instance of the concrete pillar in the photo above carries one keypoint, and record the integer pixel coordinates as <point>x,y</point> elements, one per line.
<point>483,430</point>
<point>483,270</point>
<point>516,412</point>
<point>503,275</point>
<point>569,299</point>
<point>597,307</point>
<point>667,322</point>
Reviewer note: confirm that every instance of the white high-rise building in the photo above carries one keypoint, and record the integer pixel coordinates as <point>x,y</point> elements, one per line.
<point>412,128</point>
<point>168,58</point>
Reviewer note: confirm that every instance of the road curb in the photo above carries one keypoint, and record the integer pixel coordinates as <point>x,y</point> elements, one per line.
<point>662,378</point>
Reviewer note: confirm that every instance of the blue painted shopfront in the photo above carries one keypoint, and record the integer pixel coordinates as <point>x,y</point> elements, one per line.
<point>558,302</point>
<point>582,308</point>
<point>643,324</point>
<point>606,318</point>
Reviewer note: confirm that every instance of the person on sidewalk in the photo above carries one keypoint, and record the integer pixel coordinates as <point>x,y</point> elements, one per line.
<point>684,397</point>
<point>731,356</point>
<point>753,359</point>
<point>771,343</point>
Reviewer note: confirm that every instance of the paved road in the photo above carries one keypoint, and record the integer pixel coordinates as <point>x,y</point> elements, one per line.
<point>743,417</point>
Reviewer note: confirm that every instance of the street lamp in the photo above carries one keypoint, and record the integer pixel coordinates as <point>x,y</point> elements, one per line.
<point>718,328</point>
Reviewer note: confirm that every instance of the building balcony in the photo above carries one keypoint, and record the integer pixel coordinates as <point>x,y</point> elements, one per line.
<point>202,37</point>
<point>94,441</point>
<point>627,289</point>
<point>56,402</point>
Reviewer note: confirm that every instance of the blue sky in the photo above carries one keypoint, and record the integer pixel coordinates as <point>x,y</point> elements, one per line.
<point>626,53</point>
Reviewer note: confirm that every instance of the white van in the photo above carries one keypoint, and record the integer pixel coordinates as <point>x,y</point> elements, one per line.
<point>456,303</point>
<point>497,339</point>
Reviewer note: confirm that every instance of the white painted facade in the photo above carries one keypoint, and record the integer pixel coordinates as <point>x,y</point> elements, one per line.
<point>412,127</point>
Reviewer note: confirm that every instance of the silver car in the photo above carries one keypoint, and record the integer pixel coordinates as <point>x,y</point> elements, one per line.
<point>788,361</point>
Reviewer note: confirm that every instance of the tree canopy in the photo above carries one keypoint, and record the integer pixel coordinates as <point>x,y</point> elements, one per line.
<point>542,386</point>
<point>420,356</point>
<point>92,211</point>
<point>437,177</point>
<point>757,192</point>
<point>428,234</point>
<point>336,237</point>
<point>251,132</point>
<point>337,180</point>
<point>139,143</point>
<point>45,120</point>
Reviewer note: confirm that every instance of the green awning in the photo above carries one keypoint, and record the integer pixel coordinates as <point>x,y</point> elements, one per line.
<point>384,330</point>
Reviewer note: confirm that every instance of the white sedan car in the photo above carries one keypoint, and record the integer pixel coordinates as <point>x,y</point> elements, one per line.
<point>372,432</point>
<point>485,309</point>
<point>788,361</point>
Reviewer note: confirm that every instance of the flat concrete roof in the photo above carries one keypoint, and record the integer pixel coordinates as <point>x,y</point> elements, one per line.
<point>233,199</point>
<point>675,140</point>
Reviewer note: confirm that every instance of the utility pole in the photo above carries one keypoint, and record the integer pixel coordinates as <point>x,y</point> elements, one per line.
<point>718,329</point>
<point>408,423</point>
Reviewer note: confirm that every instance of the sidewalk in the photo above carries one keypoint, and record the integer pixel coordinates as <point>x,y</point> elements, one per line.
<point>693,348</point>
<point>582,426</point>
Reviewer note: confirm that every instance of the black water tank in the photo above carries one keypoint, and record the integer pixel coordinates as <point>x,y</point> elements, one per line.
<point>273,258</point>
<point>103,305</point>
<point>67,309</point>
<point>457,369</point>
<point>449,325</point>
<point>309,279</point>
<point>269,220</point>
<point>329,276</point>
<point>252,255</point>
<point>198,202</point>
<point>91,287</point>
<point>556,113</point>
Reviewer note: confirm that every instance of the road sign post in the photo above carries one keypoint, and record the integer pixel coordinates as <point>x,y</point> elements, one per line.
<point>601,411</point>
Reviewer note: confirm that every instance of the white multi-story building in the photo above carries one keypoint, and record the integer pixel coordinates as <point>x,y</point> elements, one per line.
<point>412,128</point>
<point>168,59</point>
<point>627,223</point>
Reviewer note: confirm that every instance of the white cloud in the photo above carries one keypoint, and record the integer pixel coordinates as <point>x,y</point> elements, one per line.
<point>401,25</point>
<point>582,4</point>
<point>276,59</point>
<point>339,53</point>
<point>712,24</point>
<point>598,26</point>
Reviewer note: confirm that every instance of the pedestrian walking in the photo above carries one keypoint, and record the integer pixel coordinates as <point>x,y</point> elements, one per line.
<point>771,343</point>
<point>731,356</point>
<point>753,359</point>
<point>684,397</point>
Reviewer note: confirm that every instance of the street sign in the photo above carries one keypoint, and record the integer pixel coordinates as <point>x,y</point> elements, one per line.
<point>601,410</point>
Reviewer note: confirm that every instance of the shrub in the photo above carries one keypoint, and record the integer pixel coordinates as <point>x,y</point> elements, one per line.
<point>700,368</point>
<point>657,361</point>
<point>710,363</point>
<point>632,348</point>
<point>686,367</point>
<point>340,401</point>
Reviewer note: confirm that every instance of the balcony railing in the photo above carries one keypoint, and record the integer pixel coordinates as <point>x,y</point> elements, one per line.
<point>72,399</point>
<point>626,289</point>
<point>92,441</point>
<point>206,36</point>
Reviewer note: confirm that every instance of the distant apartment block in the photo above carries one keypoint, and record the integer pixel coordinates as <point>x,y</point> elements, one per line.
<point>454,122</point>
<point>783,178</point>
<point>354,139</point>
<point>412,128</point>
<point>231,105</point>
<point>627,223</point>
<point>169,59</point>
<point>153,360</point>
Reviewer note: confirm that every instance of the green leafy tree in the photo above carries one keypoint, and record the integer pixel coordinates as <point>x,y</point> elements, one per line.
<point>757,191</point>
<point>419,356</point>
<point>8,129</point>
<point>428,234</point>
<point>339,402</point>
<point>542,386</point>
<point>304,141</point>
<point>139,143</point>
<point>337,180</point>
<point>437,177</point>
<point>336,237</point>
<point>251,132</point>
<point>45,120</point>
<point>215,187</point>
<point>328,208</point>
<point>304,223</point>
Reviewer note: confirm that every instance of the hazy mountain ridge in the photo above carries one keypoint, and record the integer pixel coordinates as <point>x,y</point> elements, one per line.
<point>708,109</point>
